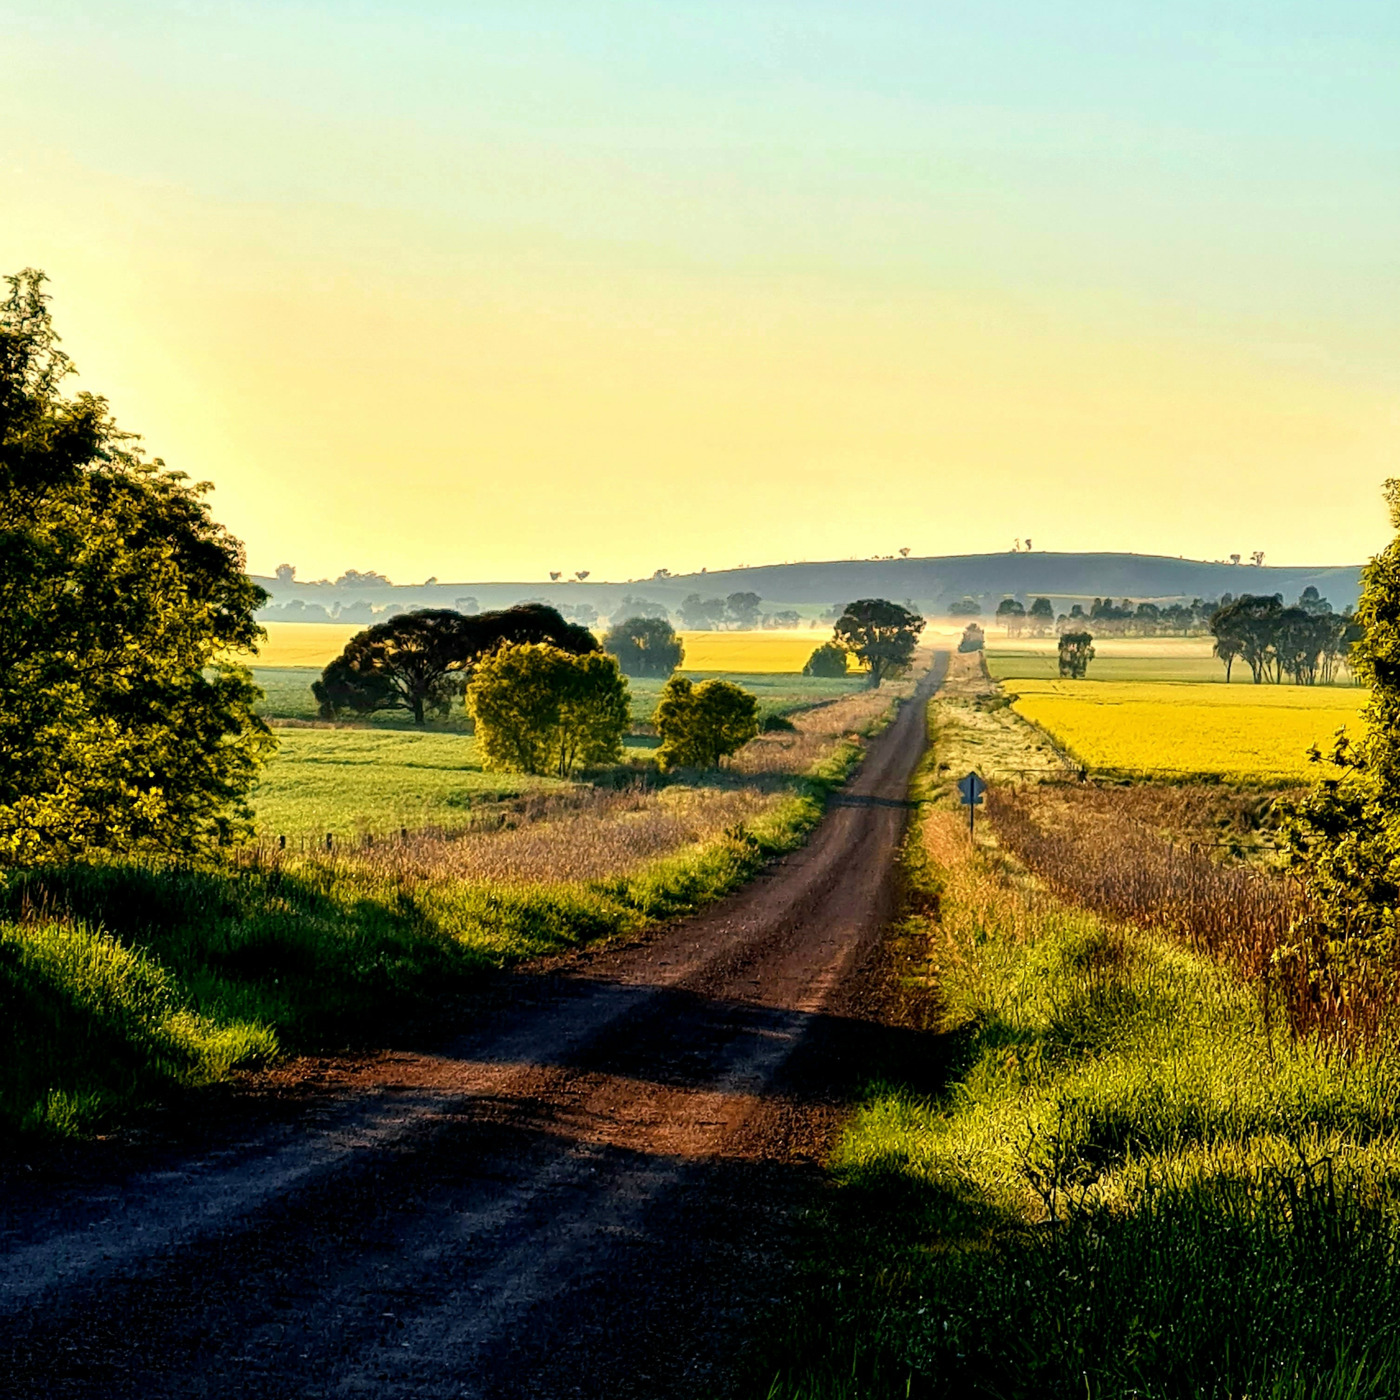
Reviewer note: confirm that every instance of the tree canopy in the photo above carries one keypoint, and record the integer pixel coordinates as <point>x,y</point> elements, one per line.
<point>701,724</point>
<point>541,709</point>
<point>645,646</point>
<point>1076,652</point>
<point>420,661</point>
<point>1306,643</point>
<point>881,636</point>
<point>122,724</point>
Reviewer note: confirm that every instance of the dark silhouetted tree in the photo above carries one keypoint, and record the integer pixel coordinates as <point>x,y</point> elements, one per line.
<point>880,635</point>
<point>420,661</point>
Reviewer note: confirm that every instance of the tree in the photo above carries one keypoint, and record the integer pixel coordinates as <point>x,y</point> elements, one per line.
<point>1076,652</point>
<point>742,609</point>
<point>881,636</point>
<point>701,724</point>
<point>972,639</point>
<point>828,660</point>
<point>122,725</point>
<point>1249,624</point>
<point>286,574</point>
<point>353,578</point>
<point>966,607</point>
<point>645,646</point>
<point>1344,837</point>
<point>540,709</point>
<point>1011,614</point>
<point>1041,616</point>
<point>701,614</point>
<point>420,661</point>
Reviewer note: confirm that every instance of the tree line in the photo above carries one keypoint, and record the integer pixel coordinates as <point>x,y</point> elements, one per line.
<point>1306,643</point>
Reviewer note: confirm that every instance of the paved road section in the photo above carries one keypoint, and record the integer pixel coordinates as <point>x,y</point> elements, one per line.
<point>588,1194</point>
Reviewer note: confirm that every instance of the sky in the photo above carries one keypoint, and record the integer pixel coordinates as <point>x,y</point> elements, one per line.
<point>483,290</point>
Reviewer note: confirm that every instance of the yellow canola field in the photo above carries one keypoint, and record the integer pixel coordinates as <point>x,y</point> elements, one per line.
<point>316,643</point>
<point>1175,728</point>
<point>751,652</point>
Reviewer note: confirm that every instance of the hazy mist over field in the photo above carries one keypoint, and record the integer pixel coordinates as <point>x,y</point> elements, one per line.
<point>484,291</point>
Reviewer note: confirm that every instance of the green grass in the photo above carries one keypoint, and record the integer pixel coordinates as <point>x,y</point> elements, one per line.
<point>1126,1183</point>
<point>389,774</point>
<point>349,781</point>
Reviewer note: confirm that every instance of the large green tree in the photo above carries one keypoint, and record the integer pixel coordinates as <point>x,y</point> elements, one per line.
<point>420,661</point>
<point>880,635</point>
<point>122,724</point>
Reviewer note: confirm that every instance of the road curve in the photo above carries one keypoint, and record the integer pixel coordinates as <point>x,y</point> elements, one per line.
<point>587,1194</point>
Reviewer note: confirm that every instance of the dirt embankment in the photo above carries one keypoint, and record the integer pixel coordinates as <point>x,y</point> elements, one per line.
<point>588,1193</point>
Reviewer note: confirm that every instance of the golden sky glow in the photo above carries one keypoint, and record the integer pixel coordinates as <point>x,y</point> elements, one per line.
<point>468,339</point>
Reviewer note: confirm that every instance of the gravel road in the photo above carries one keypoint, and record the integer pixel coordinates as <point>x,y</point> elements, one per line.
<point>590,1193</point>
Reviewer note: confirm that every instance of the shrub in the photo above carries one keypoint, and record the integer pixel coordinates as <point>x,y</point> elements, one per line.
<point>700,724</point>
<point>828,660</point>
<point>539,708</point>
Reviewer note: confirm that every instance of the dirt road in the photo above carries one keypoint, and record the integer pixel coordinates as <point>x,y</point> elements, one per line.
<point>588,1194</point>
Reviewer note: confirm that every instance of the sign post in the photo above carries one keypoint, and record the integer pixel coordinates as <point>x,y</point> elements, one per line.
<point>970,790</point>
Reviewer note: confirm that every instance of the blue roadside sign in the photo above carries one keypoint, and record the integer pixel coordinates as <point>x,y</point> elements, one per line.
<point>971,787</point>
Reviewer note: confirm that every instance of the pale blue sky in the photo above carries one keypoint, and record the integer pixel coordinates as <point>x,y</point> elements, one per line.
<point>1195,191</point>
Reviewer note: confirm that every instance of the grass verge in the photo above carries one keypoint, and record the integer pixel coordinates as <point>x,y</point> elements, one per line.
<point>1127,1182</point>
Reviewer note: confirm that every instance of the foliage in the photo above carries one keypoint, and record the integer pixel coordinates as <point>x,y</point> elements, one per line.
<point>1201,729</point>
<point>972,639</point>
<point>701,724</point>
<point>1345,837</point>
<point>1011,613</point>
<point>1041,616</point>
<point>121,725</point>
<point>1076,652</point>
<point>540,709</point>
<point>829,659</point>
<point>880,635</point>
<point>965,607</point>
<point>742,610</point>
<point>645,646</point>
<point>1307,643</point>
<point>701,614</point>
<point>420,661</point>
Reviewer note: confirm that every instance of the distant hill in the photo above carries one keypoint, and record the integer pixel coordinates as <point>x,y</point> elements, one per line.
<point>930,583</point>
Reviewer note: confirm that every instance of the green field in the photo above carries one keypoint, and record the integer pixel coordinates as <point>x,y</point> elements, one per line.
<point>288,693</point>
<point>389,774</point>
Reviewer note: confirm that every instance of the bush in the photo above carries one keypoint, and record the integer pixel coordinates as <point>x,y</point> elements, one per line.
<point>828,660</point>
<point>700,724</point>
<point>538,708</point>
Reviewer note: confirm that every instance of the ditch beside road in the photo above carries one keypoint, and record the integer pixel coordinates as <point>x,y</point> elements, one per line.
<point>592,1192</point>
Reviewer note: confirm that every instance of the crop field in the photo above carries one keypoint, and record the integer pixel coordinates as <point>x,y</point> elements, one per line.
<point>1238,732</point>
<point>291,644</point>
<point>1115,659</point>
